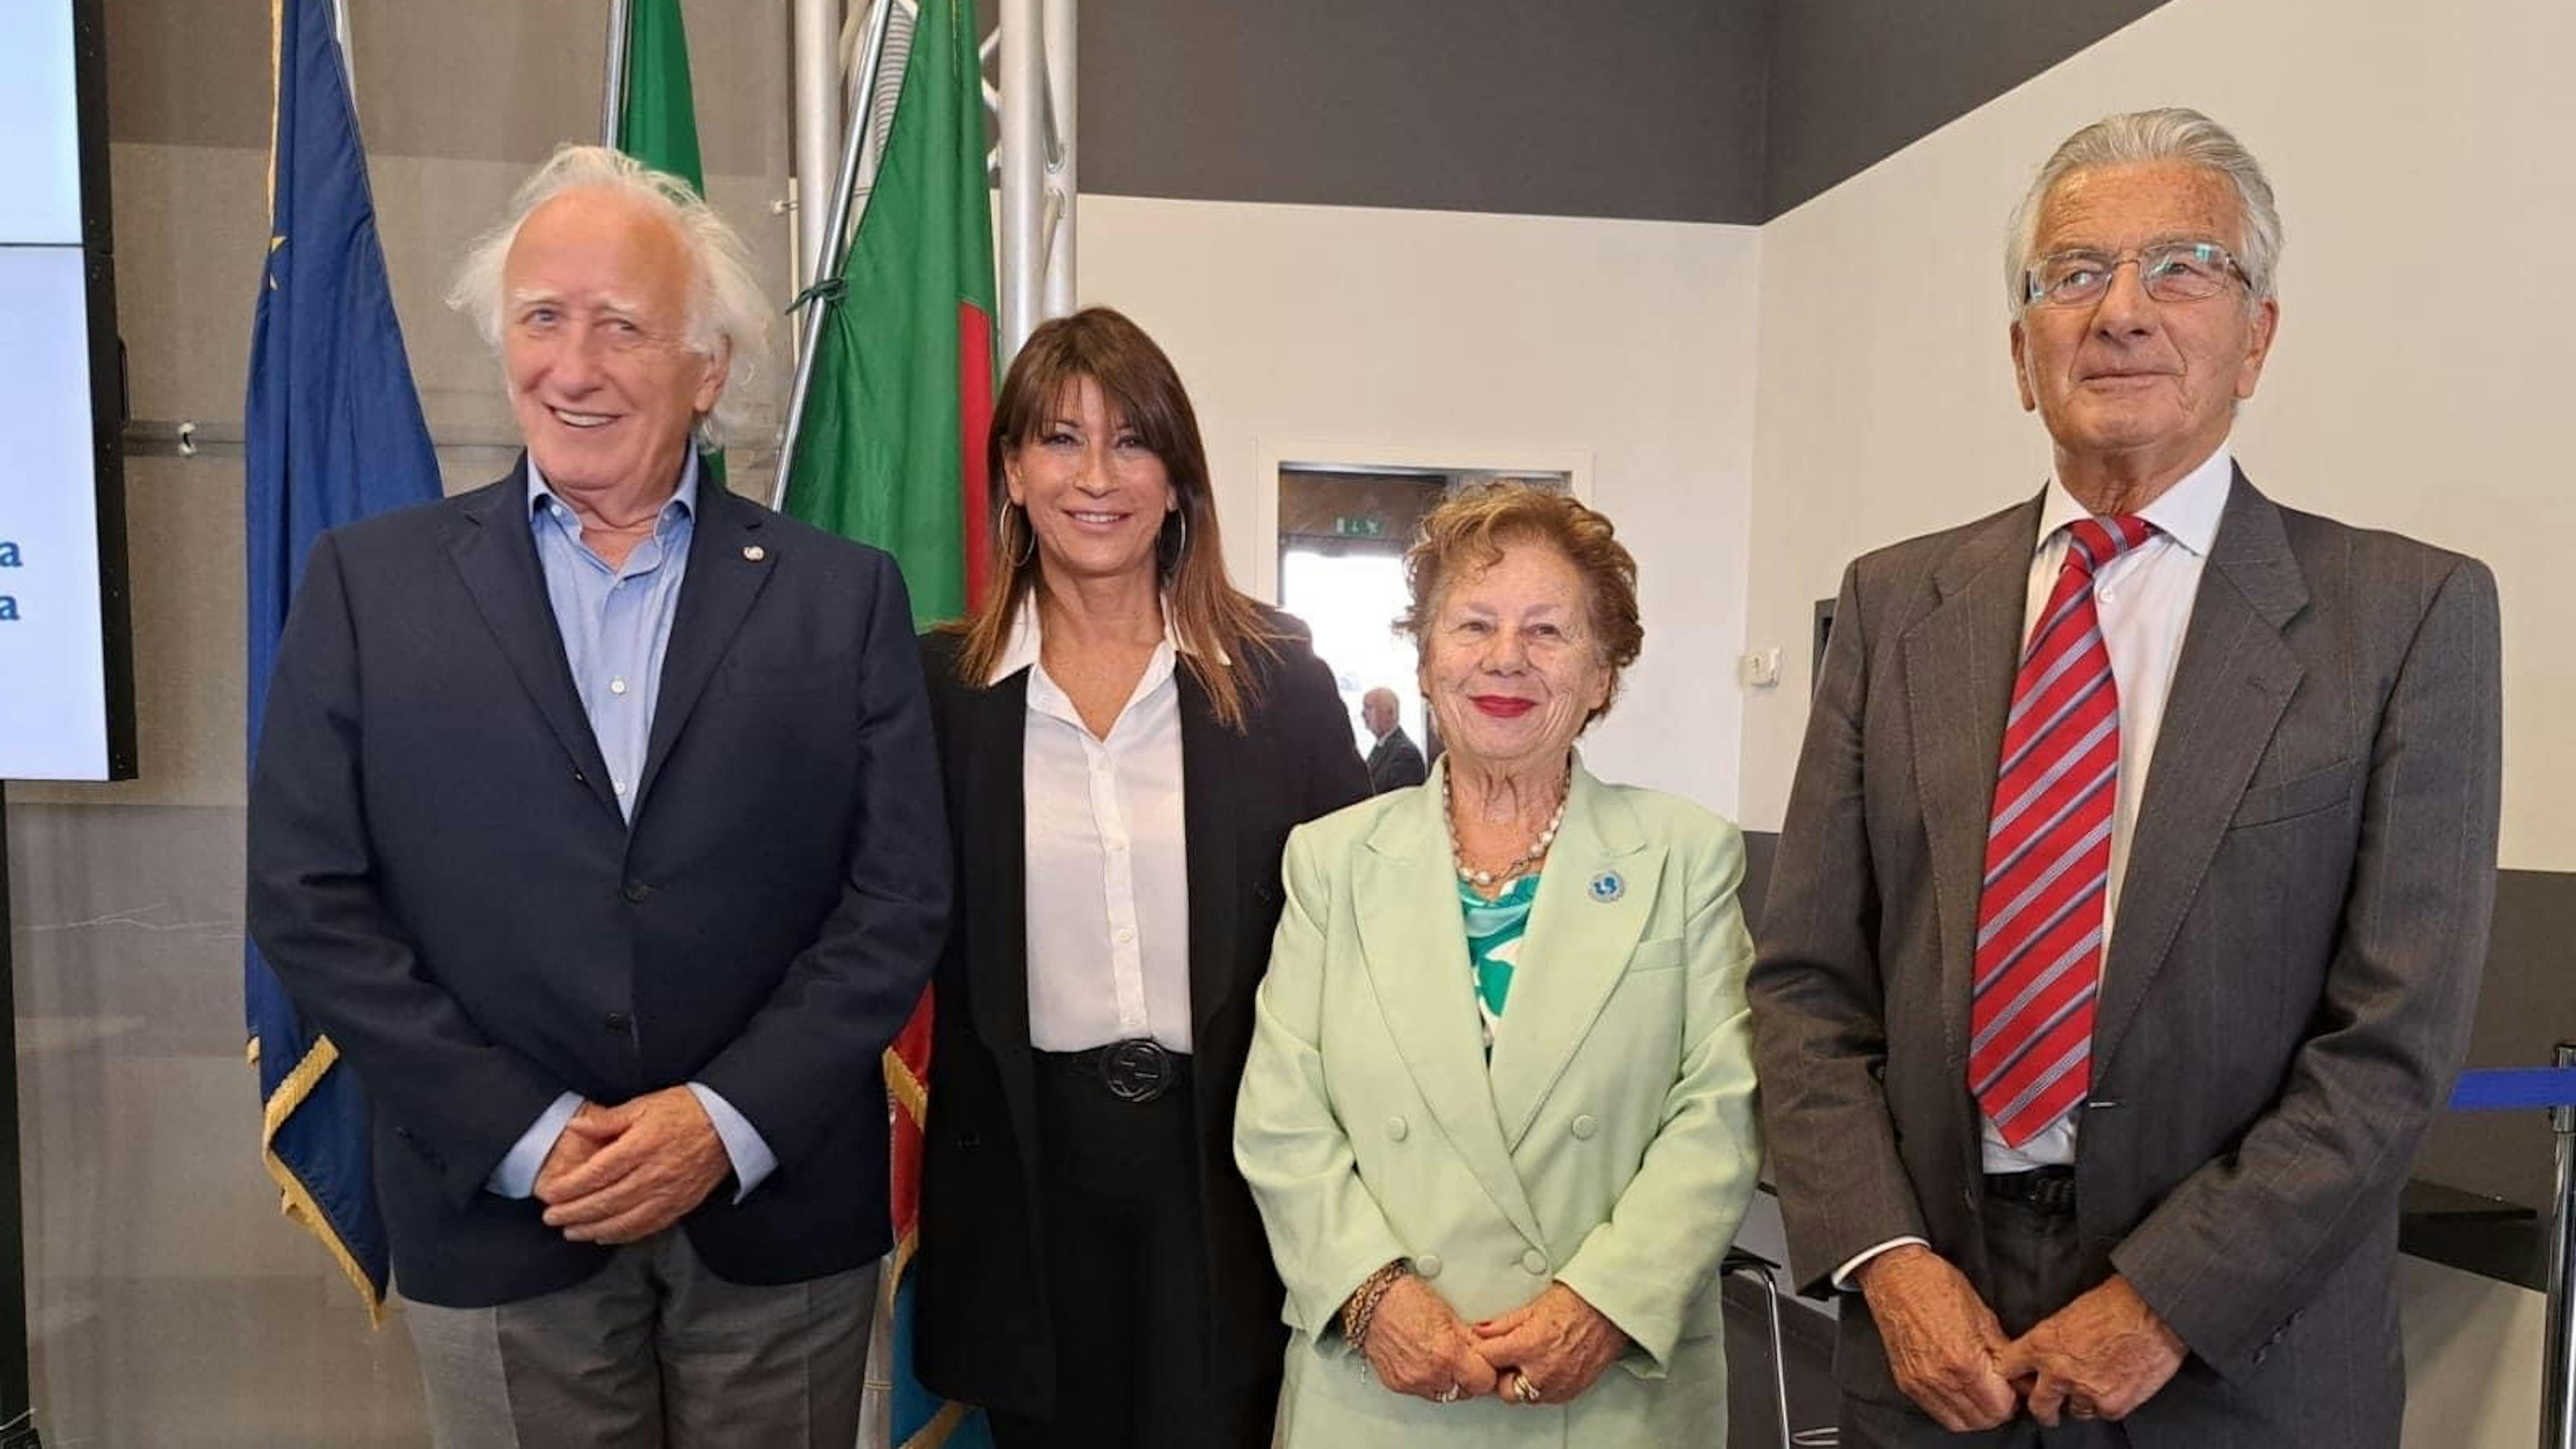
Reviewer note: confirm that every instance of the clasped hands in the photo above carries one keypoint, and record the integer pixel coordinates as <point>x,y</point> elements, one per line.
<point>2100,1356</point>
<point>620,1174</point>
<point>1547,1351</point>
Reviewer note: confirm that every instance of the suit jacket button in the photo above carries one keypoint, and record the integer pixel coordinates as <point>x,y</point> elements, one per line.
<point>1584,1127</point>
<point>637,891</point>
<point>1535,1262</point>
<point>616,1022</point>
<point>1396,1129</point>
<point>1428,1265</point>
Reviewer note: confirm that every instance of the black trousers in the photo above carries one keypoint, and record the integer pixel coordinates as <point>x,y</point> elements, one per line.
<point>1127,1291</point>
<point>2038,1269</point>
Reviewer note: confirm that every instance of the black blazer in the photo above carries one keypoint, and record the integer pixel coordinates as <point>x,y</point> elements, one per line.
<point>983,1328</point>
<point>440,876</point>
<point>1396,762</point>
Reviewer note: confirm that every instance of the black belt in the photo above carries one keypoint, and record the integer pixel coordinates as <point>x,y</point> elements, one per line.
<point>2050,1190</point>
<point>1132,1071</point>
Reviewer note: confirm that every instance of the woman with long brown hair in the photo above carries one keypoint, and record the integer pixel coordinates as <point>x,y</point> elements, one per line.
<point>1127,741</point>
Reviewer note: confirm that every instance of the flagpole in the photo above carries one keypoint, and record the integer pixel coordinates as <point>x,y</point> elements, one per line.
<point>818,119</point>
<point>348,53</point>
<point>613,92</point>
<point>1024,127</point>
<point>827,260</point>
<point>1063,150</point>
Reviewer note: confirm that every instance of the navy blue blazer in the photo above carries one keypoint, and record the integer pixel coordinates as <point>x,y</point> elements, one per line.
<point>440,875</point>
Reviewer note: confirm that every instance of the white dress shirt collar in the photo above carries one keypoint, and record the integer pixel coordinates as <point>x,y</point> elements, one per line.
<point>1023,647</point>
<point>2187,513</point>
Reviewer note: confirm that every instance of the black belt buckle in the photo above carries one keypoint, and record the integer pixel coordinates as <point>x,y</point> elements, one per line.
<point>1137,1071</point>
<point>2049,1190</point>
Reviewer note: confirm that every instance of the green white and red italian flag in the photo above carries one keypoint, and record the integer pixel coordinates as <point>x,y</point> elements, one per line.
<point>891,452</point>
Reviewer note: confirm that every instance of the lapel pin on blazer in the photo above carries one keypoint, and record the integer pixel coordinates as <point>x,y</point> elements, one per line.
<point>1607,887</point>
<point>754,552</point>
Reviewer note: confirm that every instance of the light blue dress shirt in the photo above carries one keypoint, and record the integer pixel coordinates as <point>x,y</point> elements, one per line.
<point>616,626</point>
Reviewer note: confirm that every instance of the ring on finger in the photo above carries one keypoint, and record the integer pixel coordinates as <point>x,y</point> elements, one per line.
<point>1526,1389</point>
<point>1451,1394</point>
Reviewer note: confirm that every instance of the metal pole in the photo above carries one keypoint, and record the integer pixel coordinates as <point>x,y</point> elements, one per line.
<point>818,120</point>
<point>1023,87</point>
<point>612,94</point>
<point>2558,1370</point>
<point>17,1407</point>
<point>1063,151</point>
<point>827,261</point>
<point>348,55</point>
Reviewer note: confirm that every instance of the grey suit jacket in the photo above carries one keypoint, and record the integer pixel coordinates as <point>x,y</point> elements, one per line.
<point>2291,975</point>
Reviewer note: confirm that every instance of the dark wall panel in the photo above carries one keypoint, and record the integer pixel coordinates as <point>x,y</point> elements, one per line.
<point>1852,81</point>
<point>1682,110</point>
<point>2526,1005</point>
<point>1644,108</point>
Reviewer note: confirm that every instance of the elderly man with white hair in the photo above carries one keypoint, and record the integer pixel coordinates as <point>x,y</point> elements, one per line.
<point>1395,761</point>
<point>597,821</point>
<point>2127,920</point>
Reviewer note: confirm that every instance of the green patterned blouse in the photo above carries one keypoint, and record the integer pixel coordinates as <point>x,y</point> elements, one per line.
<point>1494,931</point>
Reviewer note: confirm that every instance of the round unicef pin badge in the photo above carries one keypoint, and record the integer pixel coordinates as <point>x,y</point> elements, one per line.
<point>1607,887</point>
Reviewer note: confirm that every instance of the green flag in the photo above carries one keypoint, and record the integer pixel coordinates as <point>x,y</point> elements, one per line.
<point>657,118</point>
<point>891,448</point>
<point>890,451</point>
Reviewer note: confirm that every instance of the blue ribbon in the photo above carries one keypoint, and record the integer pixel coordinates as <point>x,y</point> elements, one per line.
<point>2515,1089</point>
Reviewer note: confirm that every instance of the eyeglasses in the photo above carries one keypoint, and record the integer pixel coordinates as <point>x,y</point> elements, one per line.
<point>2182,271</point>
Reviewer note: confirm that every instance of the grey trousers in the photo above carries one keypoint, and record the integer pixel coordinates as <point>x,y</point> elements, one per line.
<point>654,1352</point>
<point>2037,1261</point>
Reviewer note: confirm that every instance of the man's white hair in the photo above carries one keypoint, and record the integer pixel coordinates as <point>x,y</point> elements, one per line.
<point>728,315</point>
<point>2138,138</point>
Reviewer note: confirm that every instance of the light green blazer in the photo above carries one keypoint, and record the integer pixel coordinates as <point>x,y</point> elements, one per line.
<point>1610,1144</point>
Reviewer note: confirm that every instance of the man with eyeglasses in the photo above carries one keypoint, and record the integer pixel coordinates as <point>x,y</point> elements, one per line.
<point>2127,919</point>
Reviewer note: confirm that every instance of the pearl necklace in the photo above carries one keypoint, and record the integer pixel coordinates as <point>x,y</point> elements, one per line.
<point>1484,879</point>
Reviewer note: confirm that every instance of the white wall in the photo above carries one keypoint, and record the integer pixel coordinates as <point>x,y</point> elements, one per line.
<point>2473,1358</point>
<point>1626,343</point>
<point>2420,379</point>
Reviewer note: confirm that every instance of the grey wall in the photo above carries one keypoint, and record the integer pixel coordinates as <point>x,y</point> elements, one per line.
<point>2524,1007</point>
<point>1641,108</point>
<point>1853,80</point>
<point>1692,110</point>
<point>1689,110</point>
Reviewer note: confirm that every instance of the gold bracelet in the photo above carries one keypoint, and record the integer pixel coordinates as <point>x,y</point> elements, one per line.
<point>1359,1311</point>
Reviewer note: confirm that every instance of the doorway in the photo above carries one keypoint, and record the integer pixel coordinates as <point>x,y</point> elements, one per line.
<point>1342,530</point>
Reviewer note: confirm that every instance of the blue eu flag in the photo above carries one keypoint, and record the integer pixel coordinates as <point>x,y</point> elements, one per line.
<point>333,432</point>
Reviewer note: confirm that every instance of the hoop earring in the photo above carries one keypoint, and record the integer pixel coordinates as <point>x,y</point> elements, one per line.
<point>1029,552</point>
<point>1183,551</point>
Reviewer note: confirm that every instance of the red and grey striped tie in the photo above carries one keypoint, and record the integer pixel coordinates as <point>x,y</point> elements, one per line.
<point>2048,854</point>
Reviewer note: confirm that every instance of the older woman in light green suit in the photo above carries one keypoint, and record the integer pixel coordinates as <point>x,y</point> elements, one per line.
<point>1499,1110</point>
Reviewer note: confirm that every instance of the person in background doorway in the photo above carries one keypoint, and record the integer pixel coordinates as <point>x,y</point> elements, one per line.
<point>1394,762</point>
<point>1127,742</point>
